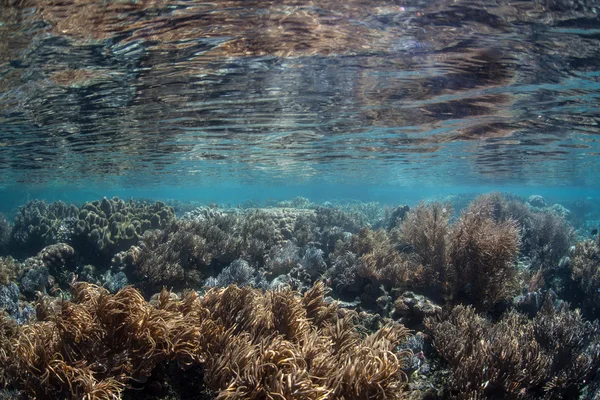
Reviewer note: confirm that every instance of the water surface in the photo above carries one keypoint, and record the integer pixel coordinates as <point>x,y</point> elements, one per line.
<point>229,93</point>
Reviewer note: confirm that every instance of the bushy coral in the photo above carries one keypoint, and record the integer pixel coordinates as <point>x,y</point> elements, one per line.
<point>313,262</point>
<point>425,231</point>
<point>250,344</point>
<point>344,275</point>
<point>179,254</point>
<point>106,227</point>
<point>39,224</point>
<point>545,235</point>
<point>282,258</point>
<point>552,356</point>
<point>9,299</point>
<point>258,233</point>
<point>546,240</point>
<point>381,262</point>
<point>239,273</point>
<point>4,234</point>
<point>481,254</point>
<point>368,265</point>
<point>326,227</point>
<point>172,257</point>
<point>585,270</point>
<point>10,270</point>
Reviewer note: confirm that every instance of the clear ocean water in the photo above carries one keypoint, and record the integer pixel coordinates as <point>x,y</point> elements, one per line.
<point>254,103</point>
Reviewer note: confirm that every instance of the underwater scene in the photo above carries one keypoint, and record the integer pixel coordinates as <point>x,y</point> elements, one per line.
<point>294,199</point>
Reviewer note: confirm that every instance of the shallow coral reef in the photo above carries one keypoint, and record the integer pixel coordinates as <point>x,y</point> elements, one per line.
<point>300,301</point>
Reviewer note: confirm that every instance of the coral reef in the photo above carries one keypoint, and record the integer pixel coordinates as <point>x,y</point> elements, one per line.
<point>481,254</point>
<point>106,227</point>
<point>380,262</point>
<point>585,269</point>
<point>547,238</point>
<point>170,257</point>
<point>239,273</point>
<point>10,270</point>
<point>397,216</point>
<point>250,343</point>
<point>9,299</point>
<point>425,231</point>
<point>414,308</point>
<point>282,258</point>
<point>536,200</point>
<point>52,268</point>
<point>258,233</point>
<point>326,226</point>
<point>247,315</point>
<point>4,234</point>
<point>550,356</point>
<point>39,224</point>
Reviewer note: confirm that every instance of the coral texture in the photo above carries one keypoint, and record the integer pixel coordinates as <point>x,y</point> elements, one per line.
<point>550,356</point>
<point>251,344</point>
<point>106,227</point>
<point>482,253</point>
<point>39,224</point>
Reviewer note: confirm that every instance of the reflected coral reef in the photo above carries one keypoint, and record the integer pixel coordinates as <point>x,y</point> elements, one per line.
<point>130,86</point>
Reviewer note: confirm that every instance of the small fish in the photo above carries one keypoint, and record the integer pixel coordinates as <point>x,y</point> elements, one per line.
<point>594,232</point>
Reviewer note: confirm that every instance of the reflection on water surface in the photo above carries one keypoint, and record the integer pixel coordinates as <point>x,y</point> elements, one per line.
<point>461,91</point>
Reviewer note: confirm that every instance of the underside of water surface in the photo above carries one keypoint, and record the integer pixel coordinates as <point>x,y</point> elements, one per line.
<point>251,199</point>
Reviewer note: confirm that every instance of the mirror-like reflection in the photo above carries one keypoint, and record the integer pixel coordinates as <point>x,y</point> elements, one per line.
<point>463,91</point>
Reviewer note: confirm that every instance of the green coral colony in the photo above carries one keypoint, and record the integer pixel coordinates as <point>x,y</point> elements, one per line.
<point>488,297</point>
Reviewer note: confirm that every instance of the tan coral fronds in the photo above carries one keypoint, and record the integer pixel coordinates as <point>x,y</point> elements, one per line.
<point>250,343</point>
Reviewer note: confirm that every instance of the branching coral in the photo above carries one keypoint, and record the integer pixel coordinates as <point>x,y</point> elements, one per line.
<point>283,258</point>
<point>179,254</point>
<point>326,227</point>
<point>381,262</point>
<point>4,234</point>
<point>250,343</point>
<point>425,229</point>
<point>545,236</point>
<point>585,268</point>
<point>258,234</point>
<point>551,356</point>
<point>482,252</point>
<point>9,270</point>
<point>240,273</point>
<point>547,240</point>
<point>172,257</point>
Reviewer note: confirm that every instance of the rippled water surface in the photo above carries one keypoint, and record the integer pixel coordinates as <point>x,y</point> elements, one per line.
<point>443,92</point>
